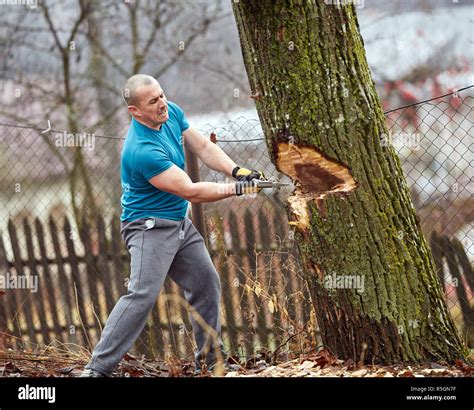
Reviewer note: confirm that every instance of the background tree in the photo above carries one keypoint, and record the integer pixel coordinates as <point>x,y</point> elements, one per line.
<point>355,223</point>
<point>86,50</point>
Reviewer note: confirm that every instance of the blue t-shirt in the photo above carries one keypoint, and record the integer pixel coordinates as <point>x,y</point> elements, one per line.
<point>147,153</point>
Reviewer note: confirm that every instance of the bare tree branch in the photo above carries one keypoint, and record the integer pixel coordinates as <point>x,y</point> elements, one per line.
<point>52,29</point>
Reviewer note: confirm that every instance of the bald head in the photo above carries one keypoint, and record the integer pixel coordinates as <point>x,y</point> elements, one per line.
<point>146,101</point>
<point>131,89</point>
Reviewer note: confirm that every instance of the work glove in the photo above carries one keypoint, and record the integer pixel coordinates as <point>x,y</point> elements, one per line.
<point>244,174</point>
<point>246,188</point>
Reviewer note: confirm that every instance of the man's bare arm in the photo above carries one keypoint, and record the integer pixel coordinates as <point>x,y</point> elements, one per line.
<point>211,154</point>
<point>175,181</point>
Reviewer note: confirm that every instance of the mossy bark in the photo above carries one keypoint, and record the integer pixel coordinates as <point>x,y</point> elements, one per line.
<point>314,92</point>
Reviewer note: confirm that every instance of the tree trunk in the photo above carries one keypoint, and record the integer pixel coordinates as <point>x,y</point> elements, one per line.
<point>106,101</point>
<point>367,264</point>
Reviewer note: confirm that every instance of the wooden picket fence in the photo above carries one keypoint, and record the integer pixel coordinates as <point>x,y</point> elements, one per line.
<point>450,256</point>
<point>83,272</point>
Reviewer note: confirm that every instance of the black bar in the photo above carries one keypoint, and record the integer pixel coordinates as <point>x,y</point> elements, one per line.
<point>241,393</point>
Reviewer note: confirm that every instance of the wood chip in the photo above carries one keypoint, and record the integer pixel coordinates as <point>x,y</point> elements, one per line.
<point>306,365</point>
<point>359,373</point>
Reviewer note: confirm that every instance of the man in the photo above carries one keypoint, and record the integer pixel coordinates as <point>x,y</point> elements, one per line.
<point>158,234</point>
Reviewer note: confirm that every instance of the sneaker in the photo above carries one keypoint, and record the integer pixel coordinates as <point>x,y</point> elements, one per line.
<point>91,373</point>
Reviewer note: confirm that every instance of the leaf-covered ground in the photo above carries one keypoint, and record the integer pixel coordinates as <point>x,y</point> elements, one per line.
<point>56,363</point>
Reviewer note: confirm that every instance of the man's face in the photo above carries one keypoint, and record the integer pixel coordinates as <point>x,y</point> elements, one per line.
<point>152,106</point>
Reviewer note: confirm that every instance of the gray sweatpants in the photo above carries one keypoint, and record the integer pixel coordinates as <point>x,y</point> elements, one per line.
<point>159,247</point>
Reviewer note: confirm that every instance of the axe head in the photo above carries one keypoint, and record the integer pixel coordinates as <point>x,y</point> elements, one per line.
<point>270,184</point>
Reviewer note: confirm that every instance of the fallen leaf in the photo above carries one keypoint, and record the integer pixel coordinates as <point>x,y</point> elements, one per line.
<point>11,367</point>
<point>324,358</point>
<point>465,368</point>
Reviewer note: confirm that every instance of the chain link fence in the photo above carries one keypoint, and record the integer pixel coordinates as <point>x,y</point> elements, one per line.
<point>63,264</point>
